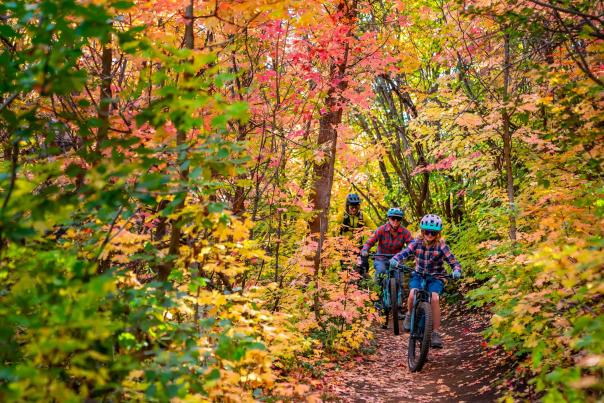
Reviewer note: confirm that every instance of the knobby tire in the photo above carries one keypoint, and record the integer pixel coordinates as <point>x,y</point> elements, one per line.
<point>420,339</point>
<point>385,301</point>
<point>394,306</point>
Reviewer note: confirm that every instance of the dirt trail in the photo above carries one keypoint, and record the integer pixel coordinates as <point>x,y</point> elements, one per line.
<point>464,370</point>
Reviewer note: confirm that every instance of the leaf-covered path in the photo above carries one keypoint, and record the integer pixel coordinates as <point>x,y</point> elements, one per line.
<point>464,370</point>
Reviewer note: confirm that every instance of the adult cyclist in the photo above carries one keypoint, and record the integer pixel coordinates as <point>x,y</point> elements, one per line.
<point>353,224</point>
<point>391,238</point>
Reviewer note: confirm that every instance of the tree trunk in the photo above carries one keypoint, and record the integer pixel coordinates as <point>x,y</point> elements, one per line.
<point>105,94</point>
<point>507,137</point>
<point>387,180</point>
<point>181,138</point>
<point>323,174</point>
<point>328,136</point>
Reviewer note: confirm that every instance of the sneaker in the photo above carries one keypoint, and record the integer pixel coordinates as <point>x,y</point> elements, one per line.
<point>407,322</point>
<point>437,341</point>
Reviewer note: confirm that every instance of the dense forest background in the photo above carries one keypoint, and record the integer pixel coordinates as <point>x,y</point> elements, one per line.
<point>171,173</point>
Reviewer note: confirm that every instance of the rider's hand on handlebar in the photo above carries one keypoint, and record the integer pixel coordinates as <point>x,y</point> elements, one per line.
<point>456,274</point>
<point>364,253</point>
<point>393,263</point>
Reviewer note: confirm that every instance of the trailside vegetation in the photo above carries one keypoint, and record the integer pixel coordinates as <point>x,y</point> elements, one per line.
<point>171,173</point>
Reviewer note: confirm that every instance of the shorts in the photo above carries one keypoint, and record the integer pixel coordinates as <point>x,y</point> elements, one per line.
<point>434,285</point>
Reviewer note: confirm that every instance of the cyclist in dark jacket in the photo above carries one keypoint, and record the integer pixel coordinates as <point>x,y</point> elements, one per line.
<point>352,225</point>
<point>352,221</point>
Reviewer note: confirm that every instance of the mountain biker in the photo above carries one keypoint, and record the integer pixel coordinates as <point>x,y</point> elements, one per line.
<point>429,251</point>
<point>352,223</point>
<point>390,237</point>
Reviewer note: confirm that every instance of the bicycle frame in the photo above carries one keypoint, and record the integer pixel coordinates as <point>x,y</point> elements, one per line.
<point>421,326</point>
<point>391,285</point>
<point>421,294</point>
<point>395,273</point>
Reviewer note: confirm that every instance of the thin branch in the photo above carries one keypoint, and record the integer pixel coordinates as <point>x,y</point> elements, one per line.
<point>108,236</point>
<point>8,101</point>
<point>566,10</point>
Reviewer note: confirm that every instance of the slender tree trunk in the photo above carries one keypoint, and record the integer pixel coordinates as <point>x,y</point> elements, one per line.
<point>387,180</point>
<point>278,242</point>
<point>105,93</point>
<point>323,173</point>
<point>507,137</point>
<point>14,157</point>
<point>181,139</point>
<point>104,110</point>
<point>240,191</point>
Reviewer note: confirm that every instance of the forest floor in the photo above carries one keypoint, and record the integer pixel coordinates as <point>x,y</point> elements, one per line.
<point>464,370</point>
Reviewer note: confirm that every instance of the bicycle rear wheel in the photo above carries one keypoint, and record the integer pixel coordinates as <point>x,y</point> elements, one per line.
<point>420,336</point>
<point>394,306</point>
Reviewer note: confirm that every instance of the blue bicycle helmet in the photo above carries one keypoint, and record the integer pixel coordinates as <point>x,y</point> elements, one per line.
<point>431,222</point>
<point>353,198</point>
<point>395,212</point>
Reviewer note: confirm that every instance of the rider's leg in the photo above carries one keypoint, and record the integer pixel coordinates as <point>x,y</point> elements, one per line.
<point>435,312</point>
<point>410,300</point>
<point>380,270</point>
<point>414,284</point>
<point>435,288</point>
<point>407,318</point>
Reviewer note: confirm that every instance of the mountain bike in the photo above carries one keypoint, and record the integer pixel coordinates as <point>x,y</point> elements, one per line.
<point>420,334</point>
<point>391,295</point>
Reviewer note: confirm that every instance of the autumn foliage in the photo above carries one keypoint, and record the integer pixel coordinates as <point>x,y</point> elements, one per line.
<point>171,174</point>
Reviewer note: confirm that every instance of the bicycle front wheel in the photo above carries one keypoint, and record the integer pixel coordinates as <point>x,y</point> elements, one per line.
<point>394,306</point>
<point>420,336</point>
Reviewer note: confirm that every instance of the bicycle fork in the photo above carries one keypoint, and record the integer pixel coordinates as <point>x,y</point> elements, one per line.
<point>414,305</point>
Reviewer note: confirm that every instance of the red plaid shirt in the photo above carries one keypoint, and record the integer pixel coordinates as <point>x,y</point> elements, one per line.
<point>429,258</point>
<point>389,240</point>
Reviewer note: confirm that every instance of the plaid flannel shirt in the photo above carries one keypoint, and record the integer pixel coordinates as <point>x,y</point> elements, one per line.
<point>389,240</point>
<point>429,259</point>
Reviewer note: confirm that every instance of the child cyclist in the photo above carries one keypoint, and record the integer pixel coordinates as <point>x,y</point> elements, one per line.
<point>429,251</point>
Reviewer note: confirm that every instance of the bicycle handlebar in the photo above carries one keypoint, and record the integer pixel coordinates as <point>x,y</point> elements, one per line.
<point>410,270</point>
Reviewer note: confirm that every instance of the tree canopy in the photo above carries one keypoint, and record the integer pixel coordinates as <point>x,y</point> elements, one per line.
<point>172,172</point>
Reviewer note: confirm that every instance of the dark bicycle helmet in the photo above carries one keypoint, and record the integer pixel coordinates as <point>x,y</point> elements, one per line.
<point>395,212</point>
<point>353,198</point>
<point>431,222</point>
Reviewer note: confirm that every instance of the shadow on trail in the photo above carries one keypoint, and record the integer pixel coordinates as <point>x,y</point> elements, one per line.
<point>464,370</point>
